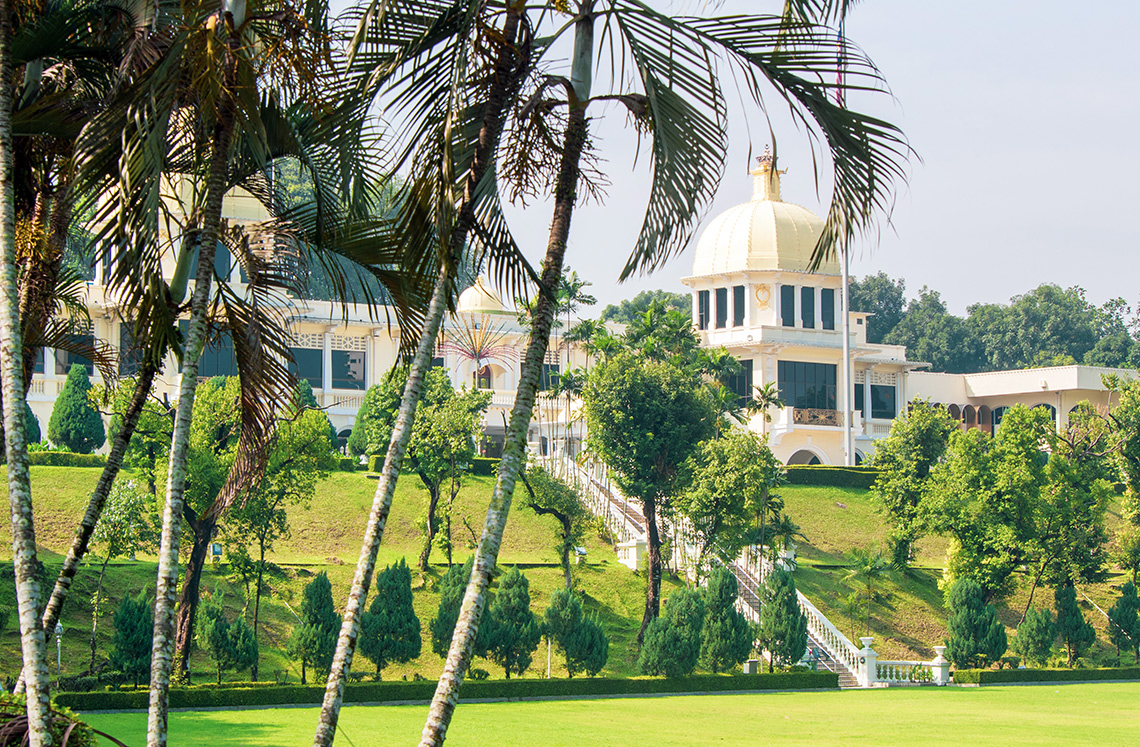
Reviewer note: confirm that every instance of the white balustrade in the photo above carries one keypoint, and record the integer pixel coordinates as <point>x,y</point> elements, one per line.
<point>827,635</point>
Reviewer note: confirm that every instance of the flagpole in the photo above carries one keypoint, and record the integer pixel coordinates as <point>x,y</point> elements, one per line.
<point>845,305</point>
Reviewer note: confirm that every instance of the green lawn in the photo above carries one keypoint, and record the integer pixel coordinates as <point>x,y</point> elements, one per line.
<point>1103,714</point>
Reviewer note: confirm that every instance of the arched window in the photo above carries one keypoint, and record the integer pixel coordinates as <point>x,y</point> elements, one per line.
<point>803,456</point>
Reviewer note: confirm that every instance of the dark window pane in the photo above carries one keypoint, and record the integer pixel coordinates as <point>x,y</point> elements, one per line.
<point>64,360</point>
<point>309,364</point>
<point>703,309</point>
<point>738,306</point>
<point>741,383</point>
<point>39,364</point>
<point>437,362</point>
<point>883,402</point>
<point>348,370</point>
<point>807,385</point>
<point>549,377</point>
<point>222,262</point>
<point>827,308</point>
<point>218,358</point>
<point>859,398</point>
<point>721,308</point>
<point>807,307</point>
<point>788,305</point>
<point>130,354</point>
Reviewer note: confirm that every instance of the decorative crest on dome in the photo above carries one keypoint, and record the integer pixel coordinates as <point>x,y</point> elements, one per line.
<point>766,180</point>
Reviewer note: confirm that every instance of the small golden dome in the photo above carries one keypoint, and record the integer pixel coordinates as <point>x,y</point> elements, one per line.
<point>479,299</point>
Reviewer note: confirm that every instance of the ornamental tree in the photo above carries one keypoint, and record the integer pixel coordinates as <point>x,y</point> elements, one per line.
<point>1124,621</point>
<point>1035,636</point>
<point>580,638</point>
<point>977,638</point>
<point>134,636</point>
<point>1076,632</point>
<point>514,633</point>
<point>31,425</point>
<point>390,630</point>
<point>75,424</point>
<point>673,641</point>
<point>726,639</point>
<point>231,646</point>
<point>451,589</point>
<point>782,629</point>
<point>314,638</point>
<point>546,495</point>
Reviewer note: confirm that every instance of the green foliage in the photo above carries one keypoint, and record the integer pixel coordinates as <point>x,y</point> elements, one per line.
<point>580,638</point>
<point>930,333</point>
<point>133,639</point>
<point>1035,636</point>
<point>1124,621</point>
<point>782,629</point>
<point>376,463</point>
<point>303,398</point>
<point>64,725</point>
<point>862,477</point>
<point>451,589</point>
<point>31,425</point>
<point>358,444</point>
<point>513,632</point>
<point>883,298</point>
<point>484,466</point>
<point>65,459</point>
<point>726,640</point>
<point>867,569</point>
<point>977,638</point>
<point>673,641</point>
<point>75,424</point>
<point>390,630</point>
<point>546,495</point>
<point>629,310</point>
<point>1002,676</point>
<point>314,638</point>
<point>346,464</point>
<point>127,524</point>
<point>231,646</point>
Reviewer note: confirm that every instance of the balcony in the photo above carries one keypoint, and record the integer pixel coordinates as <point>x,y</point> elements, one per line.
<point>814,416</point>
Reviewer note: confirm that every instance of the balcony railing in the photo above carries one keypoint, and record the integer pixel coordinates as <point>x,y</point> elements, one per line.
<point>815,416</point>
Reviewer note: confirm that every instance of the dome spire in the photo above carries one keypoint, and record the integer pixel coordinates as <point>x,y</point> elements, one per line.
<point>765,179</point>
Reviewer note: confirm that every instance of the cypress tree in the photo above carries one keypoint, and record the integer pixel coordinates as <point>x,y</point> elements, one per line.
<point>134,634</point>
<point>358,438</point>
<point>673,641</point>
<point>31,426</point>
<point>314,639</point>
<point>1124,621</point>
<point>581,638</point>
<point>1035,636</point>
<point>74,423</point>
<point>782,629</point>
<point>243,645</point>
<point>514,632</point>
<point>976,639</point>
<point>1075,631</point>
<point>451,589</point>
<point>214,633</point>
<point>725,638</point>
<point>390,630</point>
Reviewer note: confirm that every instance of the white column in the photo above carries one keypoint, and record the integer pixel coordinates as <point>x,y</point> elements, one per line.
<point>326,361</point>
<point>940,667</point>
<point>819,308</point>
<point>868,663</point>
<point>798,321</point>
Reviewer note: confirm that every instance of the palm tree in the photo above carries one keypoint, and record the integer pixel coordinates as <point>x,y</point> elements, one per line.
<point>478,340</point>
<point>686,110</point>
<point>868,570</point>
<point>764,398</point>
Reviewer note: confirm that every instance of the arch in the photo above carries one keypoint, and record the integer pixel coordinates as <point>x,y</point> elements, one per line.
<point>858,457</point>
<point>805,456</point>
<point>985,419</point>
<point>484,378</point>
<point>1047,408</point>
<point>955,412</point>
<point>970,417</point>
<point>342,438</point>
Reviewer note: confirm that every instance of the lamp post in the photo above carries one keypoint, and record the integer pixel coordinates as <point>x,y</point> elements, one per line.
<point>58,648</point>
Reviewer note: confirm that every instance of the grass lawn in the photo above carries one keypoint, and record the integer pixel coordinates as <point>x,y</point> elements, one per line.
<point>1103,714</point>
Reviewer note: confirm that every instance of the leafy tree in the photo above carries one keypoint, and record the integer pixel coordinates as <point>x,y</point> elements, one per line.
<point>31,425</point>
<point>1125,419</point>
<point>645,420</point>
<point>917,441</point>
<point>150,441</point>
<point>1128,551</point>
<point>1124,621</point>
<point>1035,636</point>
<point>580,638</point>
<point>134,636</point>
<point>358,444</point>
<point>782,629</point>
<point>673,641</point>
<point>304,399</point>
<point>931,333</point>
<point>314,637</point>
<point>883,298</point>
<point>390,630</point>
<point>627,311</point>
<point>546,495</point>
<point>726,639</point>
<point>75,424</point>
<point>977,638</point>
<point>868,570</point>
<point>514,633</point>
<point>1076,632</point>
<point>1047,319</point>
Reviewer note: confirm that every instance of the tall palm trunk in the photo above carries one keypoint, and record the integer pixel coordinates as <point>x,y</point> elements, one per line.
<point>201,531</point>
<point>40,277</point>
<point>510,70</point>
<point>565,195</point>
<point>162,650</point>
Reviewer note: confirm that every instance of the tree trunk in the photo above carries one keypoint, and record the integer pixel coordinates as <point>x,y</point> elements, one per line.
<point>510,70</point>
<point>257,607</point>
<point>432,526</point>
<point>475,599</point>
<point>653,566</point>
<point>28,592</point>
<point>567,532</point>
<point>203,531</point>
<point>95,611</point>
<point>163,647</point>
<point>37,290</point>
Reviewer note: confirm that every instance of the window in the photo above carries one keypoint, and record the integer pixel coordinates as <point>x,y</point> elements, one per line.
<point>807,307</point>
<point>702,309</point>
<point>39,365</point>
<point>64,360</point>
<point>549,377</point>
<point>218,358</point>
<point>222,262</point>
<point>827,308</point>
<point>721,308</point>
<point>483,378</point>
<point>741,383</point>
<point>807,385</point>
<point>130,356</point>
<point>738,306</point>
<point>309,364</point>
<point>437,362</point>
<point>859,401</point>
<point>883,406</point>
<point>788,305</point>
<point>348,369</point>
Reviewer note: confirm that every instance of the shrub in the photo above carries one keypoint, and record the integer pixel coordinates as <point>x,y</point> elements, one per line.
<point>375,463</point>
<point>726,640</point>
<point>673,641</point>
<point>134,634</point>
<point>513,632</point>
<point>976,639</point>
<point>485,466</point>
<point>999,676</point>
<point>451,588</point>
<point>582,640</point>
<point>314,639</point>
<point>782,629</point>
<point>1035,636</point>
<point>1124,622</point>
<point>31,425</point>
<point>390,630</point>
<point>1075,631</point>
<point>346,464</point>
<point>65,459</point>
<point>837,477</point>
<point>74,423</point>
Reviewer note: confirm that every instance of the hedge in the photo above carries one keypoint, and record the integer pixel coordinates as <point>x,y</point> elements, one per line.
<point>838,477</point>
<point>998,676</point>
<point>382,692</point>
<point>486,466</point>
<point>346,464</point>
<point>65,459</point>
<point>375,462</point>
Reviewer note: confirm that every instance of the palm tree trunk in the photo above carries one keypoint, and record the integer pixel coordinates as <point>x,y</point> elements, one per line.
<point>95,612</point>
<point>475,599</point>
<point>162,650</point>
<point>203,530</point>
<point>653,563</point>
<point>28,597</point>
<point>511,68</point>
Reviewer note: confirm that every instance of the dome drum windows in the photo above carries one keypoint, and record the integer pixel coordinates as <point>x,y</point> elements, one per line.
<point>720,302</point>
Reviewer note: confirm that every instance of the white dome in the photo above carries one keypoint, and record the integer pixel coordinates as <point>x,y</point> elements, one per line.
<point>479,299</point>
<point>764,233</point>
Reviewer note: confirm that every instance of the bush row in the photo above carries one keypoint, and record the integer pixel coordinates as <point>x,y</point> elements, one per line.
<point>65,459</point>
<point>382,692</point>
<point>346,464</point>
<point>998,676</point>
<point>837,477</point>
<point>485,466</point>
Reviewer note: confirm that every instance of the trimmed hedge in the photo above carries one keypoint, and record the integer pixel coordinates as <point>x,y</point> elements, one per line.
<point>346,464</point>
<point>998,676</point>
<point>836,477</point>
<point>383,692</point>
<point>485,466</point>
<point>375,462</point>
<point>65,459</point>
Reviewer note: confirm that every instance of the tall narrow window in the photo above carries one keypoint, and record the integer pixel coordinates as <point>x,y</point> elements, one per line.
<point>741,383</point>
<point>309,364</point>
<point>222,262</point>
<point>721,308</point>
<point>130,355</point>
<point>548,379</point>
<point>883,405</point>
<point>738,306</point>
<point>702,309</point>
<point>348,369</point>
<point>788,305</point>
<point>827,308</point>
<point>807,307</point>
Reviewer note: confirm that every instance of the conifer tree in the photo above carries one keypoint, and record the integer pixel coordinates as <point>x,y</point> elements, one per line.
<point>243,645</point>
<point>214,633</point>
<point>134,631</point>
<point>673,640</point>
<point>31,426</point>
<point>1075,631</point>
<point>1035,636</point>
<point>1124,621</point>
<point>390,630</point>
<point>580,638</point>
<point>514,633</point>
<point>725,638</point>
<point>74,423</point>
<point>782,630</point>
<point>976,639</point>
<point>314,639</point>
<point>451,588</point>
